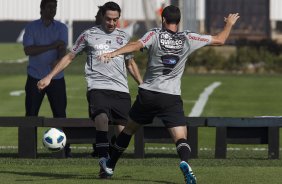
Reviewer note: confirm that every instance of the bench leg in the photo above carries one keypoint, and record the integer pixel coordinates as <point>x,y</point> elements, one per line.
<point>273,142</point>
<point>139,145</point>
<point>220,144</point>
<point>27,142</point>
<point>193,141</point>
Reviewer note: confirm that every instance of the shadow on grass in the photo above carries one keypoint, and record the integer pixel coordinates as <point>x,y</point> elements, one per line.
<point>56,176</point>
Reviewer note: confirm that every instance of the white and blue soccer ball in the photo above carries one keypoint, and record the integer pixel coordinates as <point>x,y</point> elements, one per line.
<point>54,139</point>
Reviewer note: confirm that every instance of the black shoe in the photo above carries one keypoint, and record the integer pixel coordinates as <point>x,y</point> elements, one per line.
<point>103,174</point>
<point>68,153</point>
<point>94,154</point>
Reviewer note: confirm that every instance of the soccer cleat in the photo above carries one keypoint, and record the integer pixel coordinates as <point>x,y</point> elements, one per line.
<point>103,174</point>
<point>189,176</point>
<point>103,165</point>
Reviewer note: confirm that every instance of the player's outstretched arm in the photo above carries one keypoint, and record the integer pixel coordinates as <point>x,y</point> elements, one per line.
<point>221,37</point>
<point>130,47</point>
<point>61,65</point>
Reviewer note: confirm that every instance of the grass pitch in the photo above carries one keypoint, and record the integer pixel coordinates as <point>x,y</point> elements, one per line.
<point>238,96</point>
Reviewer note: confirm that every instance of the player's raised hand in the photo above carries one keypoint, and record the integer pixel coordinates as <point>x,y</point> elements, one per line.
<point>43,83</point>
<point>232,18</point>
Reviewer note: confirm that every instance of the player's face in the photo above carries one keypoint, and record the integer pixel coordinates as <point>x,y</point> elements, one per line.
<point>49,11</point>
<point>110,20</point>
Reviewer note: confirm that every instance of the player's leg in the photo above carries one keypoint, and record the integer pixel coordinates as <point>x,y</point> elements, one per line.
<point>141,112</point>
<point>33,98</point>
<point>179,137</point>
<point>120,146</point>
<point>120,107</point>
<point>172,115</point>
<point>99,105</point>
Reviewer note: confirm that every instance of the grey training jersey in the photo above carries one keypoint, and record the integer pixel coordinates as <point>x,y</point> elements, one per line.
<point>99,75</point>
<point>167,55</point>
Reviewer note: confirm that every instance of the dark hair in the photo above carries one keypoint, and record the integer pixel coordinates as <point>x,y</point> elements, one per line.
<point>171,14</point>
<point>110,6</point>
<point>44,2</point>
<point>99,16</point>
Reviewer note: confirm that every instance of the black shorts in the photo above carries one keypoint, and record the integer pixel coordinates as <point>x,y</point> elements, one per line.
<point>115,104</point>
<point>150,104</point>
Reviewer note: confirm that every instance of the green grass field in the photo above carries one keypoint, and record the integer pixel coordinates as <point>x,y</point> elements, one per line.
<point>238,96</point>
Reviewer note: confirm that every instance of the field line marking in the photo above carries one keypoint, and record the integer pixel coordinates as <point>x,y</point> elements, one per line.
<point>156,148</point>
<point>203,98</point>
<point>21,60</point>
<point>17,93</point>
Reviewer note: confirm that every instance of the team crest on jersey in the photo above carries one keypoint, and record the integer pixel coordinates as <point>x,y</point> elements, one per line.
<point>119,40</point>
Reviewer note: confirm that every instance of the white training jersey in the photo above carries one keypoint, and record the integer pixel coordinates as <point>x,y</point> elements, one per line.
<point>111,76</point>
<point>167,55</point>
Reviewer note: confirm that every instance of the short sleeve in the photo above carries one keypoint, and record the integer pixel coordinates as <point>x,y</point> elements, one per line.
<point>197,41</point>
<point>80,43</point>
<point>148,39</point>
<point>27,37</point>
<point>64,34</point>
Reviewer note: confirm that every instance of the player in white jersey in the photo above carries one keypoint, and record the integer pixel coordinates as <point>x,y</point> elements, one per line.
<point>107,88</point>
<point>159,95</point>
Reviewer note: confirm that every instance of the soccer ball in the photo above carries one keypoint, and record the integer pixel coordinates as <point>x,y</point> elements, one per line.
<point>54,139</point>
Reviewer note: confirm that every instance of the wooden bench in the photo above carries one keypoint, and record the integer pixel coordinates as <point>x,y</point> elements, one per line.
<point>257,130</point>
<point>77,130</point>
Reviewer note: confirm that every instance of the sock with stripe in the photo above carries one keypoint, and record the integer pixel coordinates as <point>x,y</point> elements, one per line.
<point>119,147</point>
<point>102,143</point>
<point>183,149</point>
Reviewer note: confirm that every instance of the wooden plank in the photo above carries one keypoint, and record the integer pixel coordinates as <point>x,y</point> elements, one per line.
<point>273,142</point>
<point>21,121</point>
<point>139,144</point>
<point>220,144</point>
<point>244,122</point>
<point>68,122</point>
<point>27,142</point>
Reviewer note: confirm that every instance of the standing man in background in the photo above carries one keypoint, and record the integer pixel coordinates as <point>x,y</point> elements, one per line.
<point>45,42</point>
<point>107,86</point>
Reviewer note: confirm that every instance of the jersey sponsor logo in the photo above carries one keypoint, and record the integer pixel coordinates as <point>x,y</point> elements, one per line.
<point>148,37</point>
<point>171,42</point>
<point>198,38</point>
<point>119,40</point>
<point>101,47</point>
<point>80,41</point>
<point>169,62</point>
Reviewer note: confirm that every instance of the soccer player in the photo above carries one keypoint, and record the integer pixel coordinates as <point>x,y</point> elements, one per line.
<point>159,95</point>
<point>45,42</point>
<point>107,87</point>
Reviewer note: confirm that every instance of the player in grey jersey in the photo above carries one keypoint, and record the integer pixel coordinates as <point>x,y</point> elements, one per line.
<point>159,95</point>
<point>107,88</point>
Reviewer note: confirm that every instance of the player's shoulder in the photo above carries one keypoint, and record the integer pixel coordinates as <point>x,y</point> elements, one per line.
<point>186,32</point>
<point>33,23</point>
<point>155,30</point>
<point>92,30</point>
<point>122,33</point>
<point>60,24</point>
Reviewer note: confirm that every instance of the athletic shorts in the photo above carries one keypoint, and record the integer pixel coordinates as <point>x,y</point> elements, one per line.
<point>150,104</point>
<point>115,104</point>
